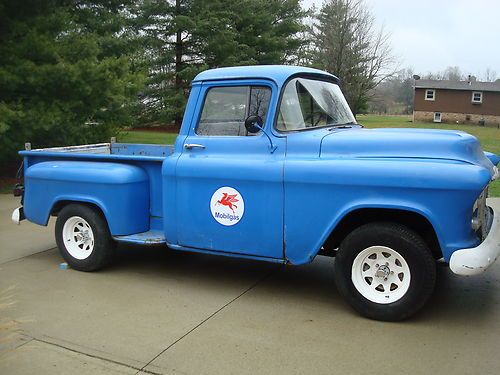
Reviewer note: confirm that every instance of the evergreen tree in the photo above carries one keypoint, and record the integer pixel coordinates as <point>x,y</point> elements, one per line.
<point>184,37</point>
<point>72,71</point>
<point>66,75</point>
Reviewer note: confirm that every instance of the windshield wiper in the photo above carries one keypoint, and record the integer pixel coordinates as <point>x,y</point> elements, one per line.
<point>346,125</point>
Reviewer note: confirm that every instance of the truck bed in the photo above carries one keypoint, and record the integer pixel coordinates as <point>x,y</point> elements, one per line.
<point>107,151</point>
<point>123,179</point>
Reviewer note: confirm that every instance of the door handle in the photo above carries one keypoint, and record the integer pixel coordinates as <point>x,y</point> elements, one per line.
<point>190,146</point>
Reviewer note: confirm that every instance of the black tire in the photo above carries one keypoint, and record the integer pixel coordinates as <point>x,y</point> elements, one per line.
<point>103,247</point>
<point>410,246</point>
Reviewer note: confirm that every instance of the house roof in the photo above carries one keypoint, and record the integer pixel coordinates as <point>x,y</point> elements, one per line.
<point>457,85</point>
<point>277,73</point>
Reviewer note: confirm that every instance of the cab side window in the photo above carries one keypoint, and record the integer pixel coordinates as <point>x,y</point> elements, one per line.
<point>226,108</point>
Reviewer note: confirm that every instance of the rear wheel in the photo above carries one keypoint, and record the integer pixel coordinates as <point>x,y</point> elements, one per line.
<point>83,237</point>
<point>385,271</point>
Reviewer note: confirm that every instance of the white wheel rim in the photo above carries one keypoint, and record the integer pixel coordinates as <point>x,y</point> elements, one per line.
<point>381,274</point>
<point>78,237</point>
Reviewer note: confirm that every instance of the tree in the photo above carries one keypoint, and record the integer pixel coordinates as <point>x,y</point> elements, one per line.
<point>66,75</point>
<point>404,89</point>
<point>395,94</point>
<point>490,75</point>
<point>451,73</point>
<point>187,36</point>
<point>347,44</point>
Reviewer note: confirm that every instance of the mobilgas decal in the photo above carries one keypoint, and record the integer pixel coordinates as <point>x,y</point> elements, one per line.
<point>227,206</point>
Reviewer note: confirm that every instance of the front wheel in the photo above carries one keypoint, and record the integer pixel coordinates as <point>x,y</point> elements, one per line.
<point>385,271</point>
<point>83,237</point>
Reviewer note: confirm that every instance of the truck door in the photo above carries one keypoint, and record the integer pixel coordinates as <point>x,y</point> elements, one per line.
<point>229,186</point>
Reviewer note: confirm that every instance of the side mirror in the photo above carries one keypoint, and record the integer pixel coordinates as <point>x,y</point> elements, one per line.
<point>253,124</point>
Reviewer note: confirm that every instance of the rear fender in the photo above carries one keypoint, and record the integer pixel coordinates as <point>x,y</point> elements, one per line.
<point>121,192</point>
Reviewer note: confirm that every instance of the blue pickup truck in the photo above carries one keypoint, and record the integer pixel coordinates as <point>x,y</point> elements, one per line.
<point>270,164</point>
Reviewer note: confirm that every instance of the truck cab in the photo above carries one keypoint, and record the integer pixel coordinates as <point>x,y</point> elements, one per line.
<point>270,164</point>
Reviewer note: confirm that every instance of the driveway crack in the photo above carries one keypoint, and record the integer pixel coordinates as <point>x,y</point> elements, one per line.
<point>26,256</point>
<point>92,355</point>
<point>262,279</point>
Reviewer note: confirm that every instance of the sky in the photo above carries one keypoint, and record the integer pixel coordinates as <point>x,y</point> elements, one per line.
<point>430,35</point>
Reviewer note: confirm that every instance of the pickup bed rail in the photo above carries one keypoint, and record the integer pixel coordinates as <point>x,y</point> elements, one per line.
<point>109,150</point>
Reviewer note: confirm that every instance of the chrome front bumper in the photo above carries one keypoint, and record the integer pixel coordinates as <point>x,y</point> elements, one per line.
<point>476,260</point>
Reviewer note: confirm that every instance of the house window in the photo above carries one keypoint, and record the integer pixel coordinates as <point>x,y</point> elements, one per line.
<point>430,94</point>
<point>477,97</point>
<point>437,116</point>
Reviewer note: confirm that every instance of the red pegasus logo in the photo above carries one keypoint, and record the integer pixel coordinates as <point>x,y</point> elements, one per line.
<point>228,200</point>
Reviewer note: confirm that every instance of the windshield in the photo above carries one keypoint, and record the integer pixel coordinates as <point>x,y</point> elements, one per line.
<point>309,103</point>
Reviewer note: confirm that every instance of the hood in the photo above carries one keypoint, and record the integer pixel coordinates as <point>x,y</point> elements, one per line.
<point>449,145</point>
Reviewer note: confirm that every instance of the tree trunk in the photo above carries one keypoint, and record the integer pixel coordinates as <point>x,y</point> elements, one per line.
<point>178,60</point>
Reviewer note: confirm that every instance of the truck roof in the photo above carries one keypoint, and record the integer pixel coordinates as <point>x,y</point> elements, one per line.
<point>277,73</point>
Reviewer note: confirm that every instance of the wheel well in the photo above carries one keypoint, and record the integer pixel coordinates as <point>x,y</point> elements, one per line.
<point>58,206</point>
<point>357,218</point>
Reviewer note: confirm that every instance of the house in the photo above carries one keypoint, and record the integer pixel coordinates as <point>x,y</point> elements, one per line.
<point>457,101</point>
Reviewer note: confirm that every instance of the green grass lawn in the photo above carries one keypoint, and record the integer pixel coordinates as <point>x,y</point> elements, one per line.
<point>489,137</point>
<point>151,137</point>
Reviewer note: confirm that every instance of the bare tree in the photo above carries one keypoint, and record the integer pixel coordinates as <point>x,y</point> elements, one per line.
<point>451,73</point>
<point>454,73</point>
<point>347,44</point>
<point>490,75</point>
<point>395,94</point>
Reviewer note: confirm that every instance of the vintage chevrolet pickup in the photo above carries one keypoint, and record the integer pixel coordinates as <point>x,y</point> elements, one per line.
<point>270,164</point>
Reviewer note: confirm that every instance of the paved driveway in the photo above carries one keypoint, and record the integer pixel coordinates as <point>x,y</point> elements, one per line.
<point>163,312</point>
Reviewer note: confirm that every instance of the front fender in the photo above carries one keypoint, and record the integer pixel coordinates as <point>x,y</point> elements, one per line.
<point>495,159</point>
<point>296,255</point>
<point>319,193</point>
<point>121,191</point>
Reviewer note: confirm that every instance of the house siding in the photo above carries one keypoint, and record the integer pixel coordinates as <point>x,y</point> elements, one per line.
<point>458,101</point>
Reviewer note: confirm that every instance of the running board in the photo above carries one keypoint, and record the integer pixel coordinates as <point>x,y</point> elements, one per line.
<point>151,237</point>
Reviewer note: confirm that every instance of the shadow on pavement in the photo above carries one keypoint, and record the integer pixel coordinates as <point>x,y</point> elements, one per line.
<point>455,298</point>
